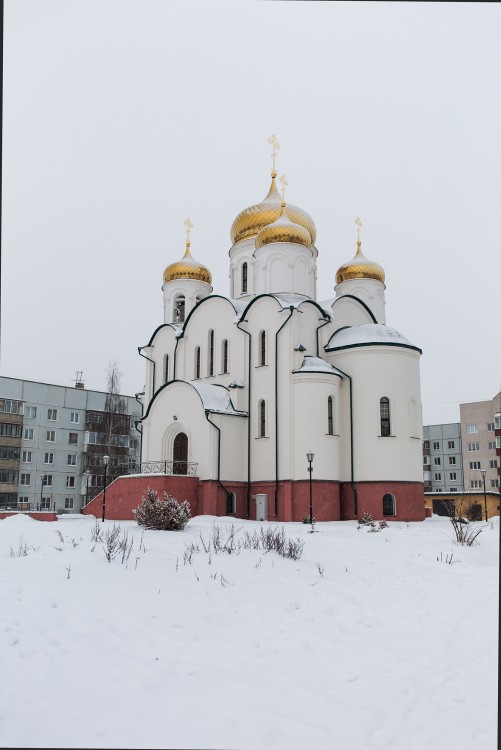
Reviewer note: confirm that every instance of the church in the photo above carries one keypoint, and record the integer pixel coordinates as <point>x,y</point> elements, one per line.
<point>268,400</point>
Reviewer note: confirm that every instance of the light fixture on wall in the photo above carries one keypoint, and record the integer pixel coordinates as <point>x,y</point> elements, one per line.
<point>174,418</point>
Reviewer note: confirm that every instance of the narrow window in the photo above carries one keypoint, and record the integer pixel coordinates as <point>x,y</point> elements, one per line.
<point>225,357</point>
<point>196,363</point>
<point>166,368</point>
<point>244,278</point>
<point>389,505</point>
<point>211,353</point>
<point>262,418</point>
<point>262,348</point>
<point>330,423</point>
<point>178,316</point>
<point>68,503</point>
<point>384,406</point>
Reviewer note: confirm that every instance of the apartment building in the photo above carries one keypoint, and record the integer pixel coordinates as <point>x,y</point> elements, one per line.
<point>443,458</point>
<point>53,439</point>
<point>481,431</point>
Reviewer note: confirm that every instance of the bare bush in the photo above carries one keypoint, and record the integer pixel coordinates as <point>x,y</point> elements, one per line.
<point>22,549</point>
<point>268,539</point>
<point>465,530</point>
<point>96,534</point>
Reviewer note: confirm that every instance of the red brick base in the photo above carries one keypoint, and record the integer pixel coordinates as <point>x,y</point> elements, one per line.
<point>290,501</point>
<point>38,516</point>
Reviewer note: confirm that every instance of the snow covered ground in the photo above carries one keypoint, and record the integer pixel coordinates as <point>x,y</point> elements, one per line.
<point>368,641</point>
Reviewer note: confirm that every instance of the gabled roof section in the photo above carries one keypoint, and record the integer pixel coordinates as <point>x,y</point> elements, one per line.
<point>286,301</point>
<point>215,398</point>
<point>317,364</point>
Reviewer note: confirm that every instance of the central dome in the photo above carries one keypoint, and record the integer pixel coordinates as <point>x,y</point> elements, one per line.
<point>250,221</point>
<point>283,230</point>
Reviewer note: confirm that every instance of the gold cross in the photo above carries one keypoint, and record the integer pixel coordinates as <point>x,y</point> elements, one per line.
<point>272,140</point>
<point>187,223</point>
<point>284,185</point>
<point>359,227</point>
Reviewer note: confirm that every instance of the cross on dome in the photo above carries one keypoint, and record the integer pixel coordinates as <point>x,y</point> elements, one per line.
<point>189,226</point>
<point>272,140</point>
<point>284,185</point>
<point>359,227</point>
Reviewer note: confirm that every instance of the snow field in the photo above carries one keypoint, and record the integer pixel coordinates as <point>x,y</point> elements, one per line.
<point>389,648</point>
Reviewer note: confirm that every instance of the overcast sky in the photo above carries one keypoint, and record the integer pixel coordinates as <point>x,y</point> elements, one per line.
<point>123,117</point>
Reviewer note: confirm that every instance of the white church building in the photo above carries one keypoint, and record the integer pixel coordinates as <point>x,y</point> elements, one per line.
<point>240,389</point>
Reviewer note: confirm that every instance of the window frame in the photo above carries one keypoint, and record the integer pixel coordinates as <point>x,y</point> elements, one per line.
<point>384,416</point>
<point>388,497</point>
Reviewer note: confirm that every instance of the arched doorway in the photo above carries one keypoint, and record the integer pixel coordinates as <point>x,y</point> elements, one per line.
<point>181,453</point>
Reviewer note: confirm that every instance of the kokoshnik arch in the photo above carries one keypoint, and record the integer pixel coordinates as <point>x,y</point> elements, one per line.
<point>238,389</point>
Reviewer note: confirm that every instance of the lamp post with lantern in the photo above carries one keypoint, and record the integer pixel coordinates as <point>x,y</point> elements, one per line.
<point>483,472</point>
<point>106,460</point>
<point>309,457</point>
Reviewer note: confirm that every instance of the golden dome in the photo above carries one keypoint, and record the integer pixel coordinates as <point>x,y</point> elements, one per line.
<point>359,268</point>
<point>251,220</point>
<point>187,268</point>
<point>283,230</point>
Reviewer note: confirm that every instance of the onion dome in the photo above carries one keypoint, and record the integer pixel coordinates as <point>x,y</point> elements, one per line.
<point>283,230</point>
<point>251,220</point>
<point>359,268</point>
<point>188,268</point>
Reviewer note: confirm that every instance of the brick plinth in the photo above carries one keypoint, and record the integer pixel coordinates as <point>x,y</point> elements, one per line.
<point>38,516</point>
<point>332,501</point>
<point>409,497</point>
<point>125,494</point>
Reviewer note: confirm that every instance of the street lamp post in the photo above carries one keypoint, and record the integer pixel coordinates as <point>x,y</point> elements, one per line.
<point>41,491</point>
<point>483,472</point>
<point>310,457</point>
<point>87,477</point>
<point>105,461</point>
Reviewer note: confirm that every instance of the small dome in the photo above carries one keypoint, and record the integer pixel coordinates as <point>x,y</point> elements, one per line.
<point>251,220</point>
<point>188,268</point>
<point>359,268</point>
<point>283,230</point>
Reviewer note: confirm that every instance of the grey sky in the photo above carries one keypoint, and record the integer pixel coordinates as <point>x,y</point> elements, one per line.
<point>123,118</point>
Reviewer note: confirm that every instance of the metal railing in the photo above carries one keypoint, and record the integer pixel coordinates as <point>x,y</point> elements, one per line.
<point>177,468</point>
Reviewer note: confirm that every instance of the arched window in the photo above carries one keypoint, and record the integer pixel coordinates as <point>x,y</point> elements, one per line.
<point>178,313</point>
<point>197,363</point>
<point>389,505</point>
<point>224,357</point>
<point>262,418</point>
<point>166,368</point>
<point>244,278</point>
<point>384,409</point>
<point>262,348</point>
<point>210,364</point>
<point>330,418</point>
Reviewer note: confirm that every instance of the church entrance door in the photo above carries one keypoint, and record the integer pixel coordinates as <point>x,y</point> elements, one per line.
<point>181,454</point>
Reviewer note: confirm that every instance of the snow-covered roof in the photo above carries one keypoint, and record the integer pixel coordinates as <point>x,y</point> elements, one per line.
<point>215,398</point>
<point>317,364</point>
<point>366,334</point>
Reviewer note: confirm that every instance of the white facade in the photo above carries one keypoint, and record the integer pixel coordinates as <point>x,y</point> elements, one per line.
<point>258,379</point>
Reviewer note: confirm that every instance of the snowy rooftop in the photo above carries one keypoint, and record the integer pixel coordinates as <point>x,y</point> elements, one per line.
<point>317,364</point>
<point>368,333</point>
<point>215,398</point>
